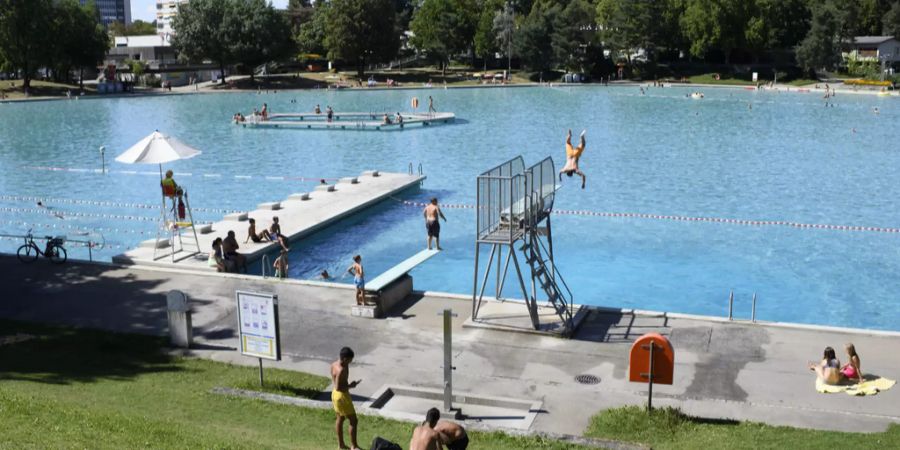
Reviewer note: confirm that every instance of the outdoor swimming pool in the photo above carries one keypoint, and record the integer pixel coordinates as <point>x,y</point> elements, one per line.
<point>786,159</point>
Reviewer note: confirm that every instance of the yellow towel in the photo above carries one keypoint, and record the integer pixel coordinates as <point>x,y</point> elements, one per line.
<point>867,387</point>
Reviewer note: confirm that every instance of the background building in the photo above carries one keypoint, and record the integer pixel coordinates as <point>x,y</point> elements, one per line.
<point>166,10</point>
<point>113,11</point>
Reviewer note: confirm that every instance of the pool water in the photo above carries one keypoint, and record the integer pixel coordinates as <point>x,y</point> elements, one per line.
<point>735,154</point>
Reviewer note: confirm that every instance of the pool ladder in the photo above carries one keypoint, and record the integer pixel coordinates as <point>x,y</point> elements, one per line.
<point>411,169</point>
<point>265,266</point>
<point>731,307</point>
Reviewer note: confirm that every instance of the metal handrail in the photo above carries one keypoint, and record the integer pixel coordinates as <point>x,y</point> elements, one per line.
<point>265,265</point>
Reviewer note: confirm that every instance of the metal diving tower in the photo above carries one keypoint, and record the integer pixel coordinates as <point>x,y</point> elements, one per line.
<point>514,205</point>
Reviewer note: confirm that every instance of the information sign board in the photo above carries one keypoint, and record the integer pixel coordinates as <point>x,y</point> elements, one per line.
<point>258,324</point>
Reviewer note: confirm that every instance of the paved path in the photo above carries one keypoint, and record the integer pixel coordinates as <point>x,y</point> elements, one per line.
<point>724,370</point>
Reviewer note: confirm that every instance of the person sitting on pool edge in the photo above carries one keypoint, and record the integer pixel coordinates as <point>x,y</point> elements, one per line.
<point>572,157</point>
<point>230,249</point>
<point>829,369</point>
<point>257,238</point>
<point>275,234</point>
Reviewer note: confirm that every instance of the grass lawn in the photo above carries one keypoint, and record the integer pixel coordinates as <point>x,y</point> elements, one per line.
<point>70,388</point>
<point>13,89</point>
<point>670,429</point>
<point>727,79</point>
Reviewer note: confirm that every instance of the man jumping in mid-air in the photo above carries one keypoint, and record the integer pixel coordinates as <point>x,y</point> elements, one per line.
<point>573,154</point>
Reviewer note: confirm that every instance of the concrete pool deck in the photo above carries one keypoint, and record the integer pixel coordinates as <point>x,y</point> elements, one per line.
<point>300,214</point>
<point>728,370</point>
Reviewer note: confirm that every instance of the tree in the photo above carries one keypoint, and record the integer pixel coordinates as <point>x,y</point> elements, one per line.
<point>504,30</point>
<point>891,21</point>
<point>574,40</point>
<point>714,24</point>
<point>361,31</point>
<point>444,28</point>
<point>81,40</point>
<point>533,43</point>
<point>300,12</point>
<point>821,46</point>
<point>24,40</point>
<point>311,37</point>
<point>629,25</point>
<point>486,42</point>
<point>259,33</point>
<point>200,34</point>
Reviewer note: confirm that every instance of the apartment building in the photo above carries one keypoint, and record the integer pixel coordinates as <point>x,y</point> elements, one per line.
<point>166,10</point>
<point>113,11</point>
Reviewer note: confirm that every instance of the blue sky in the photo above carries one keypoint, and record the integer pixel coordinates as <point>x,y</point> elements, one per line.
<point>146,9</point>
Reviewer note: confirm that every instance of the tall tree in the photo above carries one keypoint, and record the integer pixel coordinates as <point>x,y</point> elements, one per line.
<point>298,13</point>
<point>820,49</point>
<point>534,42</point>
<point>361,31</point>
<point>444,28</point>
<point>486,42</point>
<point>891,21</point>
<point>629,25</point>
<point>575,41</point>
<point>24,40</point>
<point>81,39</point>
<point>262,33</point>
<point>200,34</point>
<point>714,24</point>
<point>311,37</point>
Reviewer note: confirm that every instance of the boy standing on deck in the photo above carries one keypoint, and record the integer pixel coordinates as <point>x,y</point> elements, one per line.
<point>359,279</point>
<point>341,399</point>
<point>432,212</point>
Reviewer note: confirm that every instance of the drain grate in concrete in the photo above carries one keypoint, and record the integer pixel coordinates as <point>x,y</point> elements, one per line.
<point>587,379</point>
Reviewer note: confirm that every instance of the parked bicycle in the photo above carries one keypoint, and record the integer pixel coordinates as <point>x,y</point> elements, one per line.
<point>54,250</point>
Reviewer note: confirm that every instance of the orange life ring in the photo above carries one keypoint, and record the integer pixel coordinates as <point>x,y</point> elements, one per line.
<point>717,77</point>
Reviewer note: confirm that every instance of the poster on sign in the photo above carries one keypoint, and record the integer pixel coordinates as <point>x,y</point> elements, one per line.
<point>258,324</point>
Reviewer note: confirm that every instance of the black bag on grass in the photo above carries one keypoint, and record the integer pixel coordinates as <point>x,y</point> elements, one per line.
<point>384,444</point>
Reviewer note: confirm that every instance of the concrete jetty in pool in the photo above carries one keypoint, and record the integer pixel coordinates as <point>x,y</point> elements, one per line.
<point>361,121</point>
<point>299,215</point>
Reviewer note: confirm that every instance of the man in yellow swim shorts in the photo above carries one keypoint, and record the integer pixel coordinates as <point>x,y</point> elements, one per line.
<point>573,154</point>
<point>341,399</point>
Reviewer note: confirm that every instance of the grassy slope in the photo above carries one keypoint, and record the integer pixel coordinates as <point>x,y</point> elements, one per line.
<point>87,389</point>
<point>669,429</point>
<point>13,89</point>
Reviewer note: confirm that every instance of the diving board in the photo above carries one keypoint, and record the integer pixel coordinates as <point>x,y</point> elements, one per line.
<point>391,287</point>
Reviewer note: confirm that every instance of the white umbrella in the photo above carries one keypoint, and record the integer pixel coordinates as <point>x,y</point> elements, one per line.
<point>157,149</point>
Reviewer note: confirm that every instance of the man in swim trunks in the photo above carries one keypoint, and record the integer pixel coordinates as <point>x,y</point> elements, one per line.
<point>275,234</point>
<point>424,436</point>
<point>257,238</point>
<point>432,212</point>
<point>572,157</point>
<point>453,435</point>
<point>359,279</point>
<point>341,399</point>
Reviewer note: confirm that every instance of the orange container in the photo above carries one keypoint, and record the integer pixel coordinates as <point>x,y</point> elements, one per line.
<point>663,359</point>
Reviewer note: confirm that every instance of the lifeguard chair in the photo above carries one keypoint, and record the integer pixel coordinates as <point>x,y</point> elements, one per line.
<point>176,224</point>
<point>514,204</point>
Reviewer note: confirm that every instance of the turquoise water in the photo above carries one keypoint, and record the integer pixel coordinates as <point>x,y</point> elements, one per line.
<point>788,158</point>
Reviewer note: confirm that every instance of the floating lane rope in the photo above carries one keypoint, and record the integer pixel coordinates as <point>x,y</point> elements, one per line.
<point>676,218</point>
<point>180,174</point>
<point>16,198</point>
<point>67,214</point>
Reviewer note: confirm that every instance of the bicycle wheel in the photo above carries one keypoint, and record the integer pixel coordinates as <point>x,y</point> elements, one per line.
<point>58,255</point>
<point>27,253</point>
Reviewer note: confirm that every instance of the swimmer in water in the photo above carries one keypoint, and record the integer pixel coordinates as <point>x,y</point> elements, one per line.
<point>49,209</point>
<point>573,154</point>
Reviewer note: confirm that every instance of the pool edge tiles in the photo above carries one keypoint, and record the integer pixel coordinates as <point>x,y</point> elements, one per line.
<point>298,217</point>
